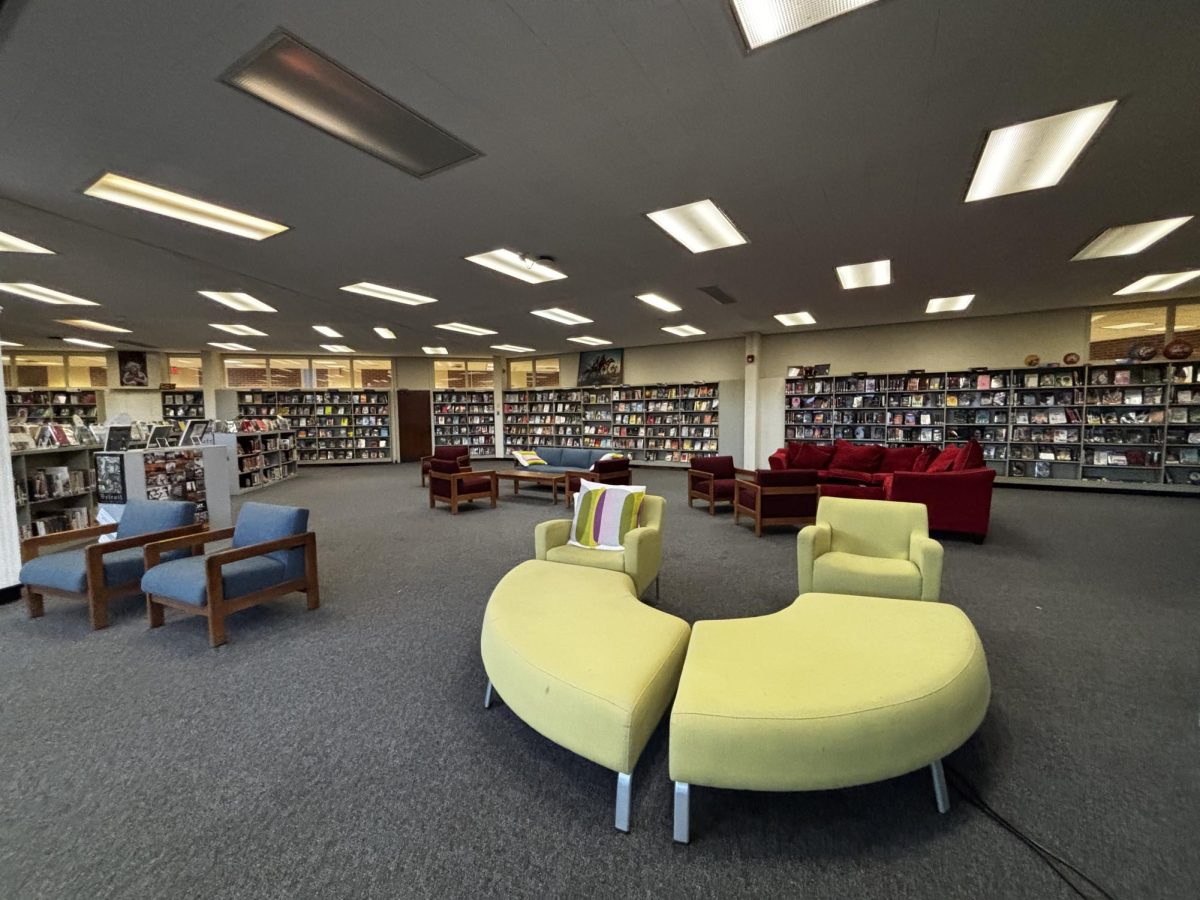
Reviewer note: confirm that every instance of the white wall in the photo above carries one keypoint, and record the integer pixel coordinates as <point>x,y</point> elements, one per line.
<point>10,545</point>
<point>680,363</point>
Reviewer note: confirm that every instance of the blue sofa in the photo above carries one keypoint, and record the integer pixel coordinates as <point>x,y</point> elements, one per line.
<point>567,459</point>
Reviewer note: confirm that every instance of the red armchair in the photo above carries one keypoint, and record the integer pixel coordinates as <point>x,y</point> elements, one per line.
<point>453,484</point>
<point>959,502</point>
<point>776,497</point>
<point>711,478</point>
<point>458,453</point>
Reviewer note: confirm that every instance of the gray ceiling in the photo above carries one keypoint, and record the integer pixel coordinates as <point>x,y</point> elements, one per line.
<point>850,142</point>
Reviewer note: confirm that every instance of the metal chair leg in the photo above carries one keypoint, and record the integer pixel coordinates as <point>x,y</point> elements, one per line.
<point>624,796</point>
<point>939,787</point>
<point>682,813</point>
<point>487,695</point>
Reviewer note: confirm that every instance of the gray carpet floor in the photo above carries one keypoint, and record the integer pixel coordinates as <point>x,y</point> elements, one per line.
<point>345,752</point>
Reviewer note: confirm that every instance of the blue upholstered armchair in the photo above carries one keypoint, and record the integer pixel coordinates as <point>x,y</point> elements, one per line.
<point>272,554</point>
<point>101,571</point>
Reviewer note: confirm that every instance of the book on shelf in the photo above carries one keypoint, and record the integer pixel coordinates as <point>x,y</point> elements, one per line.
<point>1120,376</point>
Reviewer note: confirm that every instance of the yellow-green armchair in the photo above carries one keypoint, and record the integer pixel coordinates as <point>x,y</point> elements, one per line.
<point>876,548</point>
<point>639,560</point>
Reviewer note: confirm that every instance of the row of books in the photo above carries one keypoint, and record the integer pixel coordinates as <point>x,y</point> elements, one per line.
<point>70,519</point>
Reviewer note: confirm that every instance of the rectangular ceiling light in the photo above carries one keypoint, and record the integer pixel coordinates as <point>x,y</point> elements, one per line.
<point>239,301</point>
<point>796,318</point>
<point>91,325</point>
<point>10,344</point>
<point>590,341</point>
<point>224,346</point>
<point>949,304</point>
<point>1036,154</point>
<point>699,226</point>
<point>147,197</point>
<point>465,329</point>
<point>683,330</point>
<point>296,78</point>
<point>562,316</point>
<point>659,302</point>
<point>1125,325</point>
<point>765,21</point>
<point>44,294</point>
<point>386,293</point>
<point>84,342</point>
<point>386,333</point>
<point>12,244</point>
<point>241,330</point>
<point>1125,240</point>
<point>435,351</point>
<point>326,331</point>
<point>337,348</point>
<point>1150,284</point>
<point>517,265</point>
<point>513,348</point>
<point>872,274</point>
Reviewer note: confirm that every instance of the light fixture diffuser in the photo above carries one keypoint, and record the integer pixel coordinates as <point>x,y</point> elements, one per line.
<point>227,346</point>
<point>84,342</point>
<point>1035,154</point>
<point>1126,240</point>
<point>383,292</point>
<point>562,316</point>
<point>513,348</point>
<point>44,294</point>
<point>1124,325</point>
<point>4,343</point>
<point>147,197</point>
<point>949,304</point>
<point>765,21</point>
<point>590,341</point>
<point>796,318</point>
<point>517,265</point>
<point>435,351</point>
<point>1152,284</point>
<point>10,243</point>
<point>699,226</point>
<point>238,300</point>
<point>462,328</point>
<point>337,348</point>
<point>326,331</point>
<point>683,330</point>
<point>242,330</point>
<point>91,325</point>
<point>386,333</point>
<point>861,275</point>
<point>659,302</point>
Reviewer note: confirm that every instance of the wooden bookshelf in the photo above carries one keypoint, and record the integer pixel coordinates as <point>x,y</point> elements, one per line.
<point>180,405</point>
<point>46,501</point>
<point>331,426</point>
<point>465,417</point>
<point>265,458</point>
<point>55,405</point>
<point>809,408</point>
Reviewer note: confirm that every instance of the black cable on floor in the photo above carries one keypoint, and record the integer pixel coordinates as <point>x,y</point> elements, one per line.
<point>1048,856</point>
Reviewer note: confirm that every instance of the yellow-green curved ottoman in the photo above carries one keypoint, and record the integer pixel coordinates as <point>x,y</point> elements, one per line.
<point>581,660</point>
<point>833,691</point>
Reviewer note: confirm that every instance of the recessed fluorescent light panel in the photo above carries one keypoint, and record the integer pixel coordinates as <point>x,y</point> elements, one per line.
<point>1125,325</point>
<point>239,301</point>
<point>93,326</point>
<point>517,265</point>
<point>659,302</point>
<point>465,329</point>
<point>223,346</point>
<point>326,331</point>
<point>765,21</point>
<point>435,351</point>
<point>386,293</point>
<point>1125,240</point>
<point>562,316</point>
<point>44,294</point>
<point>683,330</point>
<point>386,333</point>
<point>796,318</point>
<point>590,341</point>
<point>699,226</point>
<point>337,348</point>
<point>872,274</point>
<point>84,342</point>
<point>12,244</point>
<point>242,330</point>
<point>10,344</point>
<point>296,78</point>
<point>147,197</point>
<point>949,304</point>
<point>1036,154</point>
<point>1152,283</point>
<point>513,348</point>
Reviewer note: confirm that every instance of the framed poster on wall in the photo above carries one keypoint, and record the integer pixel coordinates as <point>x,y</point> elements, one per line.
<point>599,367</point>
<point>132,368</point>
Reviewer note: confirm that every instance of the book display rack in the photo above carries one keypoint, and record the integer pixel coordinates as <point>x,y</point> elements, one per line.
<point>331,426</point>
<point>182,405</point>
<point>663,423</point>
<point>466,417</point>
<point>61,405</point>
<point>1135,423</point>
<point>55,489</point>
<point>264,458</point>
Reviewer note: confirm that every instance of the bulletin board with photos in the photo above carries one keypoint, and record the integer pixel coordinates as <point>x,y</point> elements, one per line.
<point>176,475</point>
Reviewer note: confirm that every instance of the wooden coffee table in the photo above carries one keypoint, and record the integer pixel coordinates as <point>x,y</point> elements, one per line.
<point>556,480</point>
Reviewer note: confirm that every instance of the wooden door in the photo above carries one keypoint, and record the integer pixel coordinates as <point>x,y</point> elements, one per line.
<point>415,435</point>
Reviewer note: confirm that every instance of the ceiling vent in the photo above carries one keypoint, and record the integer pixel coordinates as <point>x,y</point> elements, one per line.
<point>719,295</point>
<point>290,75</point>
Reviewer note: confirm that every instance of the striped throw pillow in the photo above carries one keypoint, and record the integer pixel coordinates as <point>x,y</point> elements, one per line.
<point>528,458</point>
<point>604,513</point>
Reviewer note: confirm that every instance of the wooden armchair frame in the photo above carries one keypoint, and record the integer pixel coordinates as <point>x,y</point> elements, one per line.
<point>98,594</point>
<point>760,491</point>
<point>456,497</point>
<point>700,487</point>
<point>217,607</point>
<point>464,461</point>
